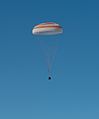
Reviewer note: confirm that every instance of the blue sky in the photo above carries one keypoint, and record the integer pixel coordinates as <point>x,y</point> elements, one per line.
<point>25,92</point>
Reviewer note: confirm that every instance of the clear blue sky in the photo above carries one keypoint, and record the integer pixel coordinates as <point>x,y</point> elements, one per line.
<point>25,92</point>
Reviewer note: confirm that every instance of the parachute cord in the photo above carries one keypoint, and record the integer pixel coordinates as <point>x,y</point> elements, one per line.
<point>49,67</point>
<point>51,59</point>
<point>46,55</point>
<point>49,53</point>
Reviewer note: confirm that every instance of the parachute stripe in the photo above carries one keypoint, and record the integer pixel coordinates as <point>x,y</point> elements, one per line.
<point>48,26</point>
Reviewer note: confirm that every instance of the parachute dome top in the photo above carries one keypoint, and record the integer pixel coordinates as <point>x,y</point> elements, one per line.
<point>47,28</point>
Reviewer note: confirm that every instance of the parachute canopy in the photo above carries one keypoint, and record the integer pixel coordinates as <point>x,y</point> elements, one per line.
<point>48,28</point>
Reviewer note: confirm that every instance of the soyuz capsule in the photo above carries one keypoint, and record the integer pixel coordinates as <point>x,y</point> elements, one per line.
<point>48,28</point>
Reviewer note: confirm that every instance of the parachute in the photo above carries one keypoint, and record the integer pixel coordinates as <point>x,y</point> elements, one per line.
<point>49,46</point>
<point>49,28</point>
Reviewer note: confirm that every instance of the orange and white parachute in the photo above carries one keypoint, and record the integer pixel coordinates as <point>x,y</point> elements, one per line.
<point>48,28</point>
<point>48,46</point>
